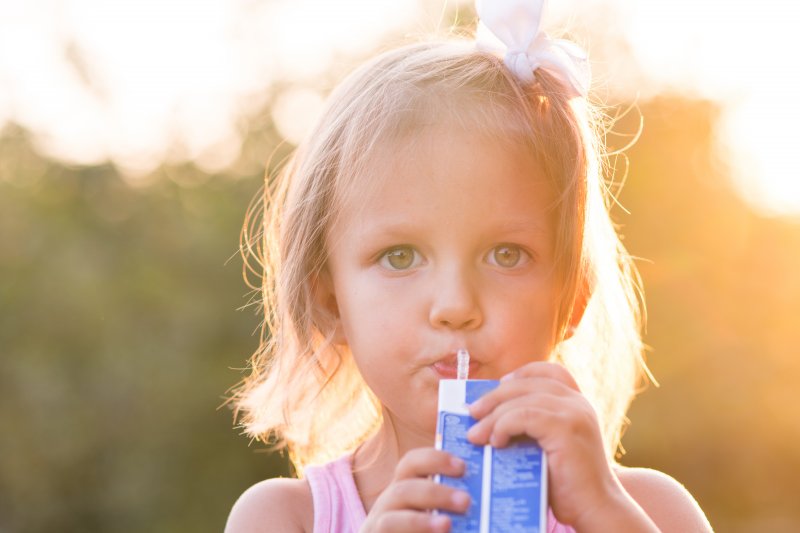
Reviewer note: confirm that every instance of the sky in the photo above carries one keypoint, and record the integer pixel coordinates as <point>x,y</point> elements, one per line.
<point>141,82</point>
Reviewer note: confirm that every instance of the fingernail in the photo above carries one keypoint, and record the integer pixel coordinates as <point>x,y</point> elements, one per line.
<point>472,432</point>
<point>507,376</point>
<point>457,463</point>
<point>440,522</point>
<point>475,406</point>
<point>461,499</point>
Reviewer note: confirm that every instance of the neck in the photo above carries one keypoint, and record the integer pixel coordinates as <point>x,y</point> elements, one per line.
<point>374,461</point>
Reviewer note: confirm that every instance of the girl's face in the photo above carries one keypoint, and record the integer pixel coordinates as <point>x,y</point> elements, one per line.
<point>453,249</point>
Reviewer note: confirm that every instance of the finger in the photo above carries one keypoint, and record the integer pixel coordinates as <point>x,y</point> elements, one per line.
<point>424,462</point>
<point>528,421</point>
<point>568,418</point>
<point>424,494</point>
<point>405,521</point>
<point>512,388</point>
<point>481,431</point>
<point>555,371</point>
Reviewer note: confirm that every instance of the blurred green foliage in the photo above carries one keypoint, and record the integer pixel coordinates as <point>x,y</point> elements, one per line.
<point>119,337</point>
<point>120,334</point>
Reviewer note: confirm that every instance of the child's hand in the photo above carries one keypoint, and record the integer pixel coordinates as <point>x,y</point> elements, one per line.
<point>542,401</point>
<point>403,505</point>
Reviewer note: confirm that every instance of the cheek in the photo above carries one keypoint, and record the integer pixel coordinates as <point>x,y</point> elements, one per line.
<point>371,312</point>
<point>526,313</point>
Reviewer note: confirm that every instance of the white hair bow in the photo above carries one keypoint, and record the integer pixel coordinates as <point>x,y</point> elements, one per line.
<point>511,28</point>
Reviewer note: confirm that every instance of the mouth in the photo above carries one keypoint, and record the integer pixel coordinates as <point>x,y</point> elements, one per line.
<point>447,367</point>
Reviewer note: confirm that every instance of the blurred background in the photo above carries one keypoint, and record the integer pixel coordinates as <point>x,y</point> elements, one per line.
<point>134,133</point>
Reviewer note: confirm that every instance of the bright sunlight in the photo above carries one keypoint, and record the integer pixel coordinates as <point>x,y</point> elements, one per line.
<point>141,83</point>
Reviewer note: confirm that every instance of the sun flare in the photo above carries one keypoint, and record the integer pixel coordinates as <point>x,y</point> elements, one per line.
<point>90,89</point>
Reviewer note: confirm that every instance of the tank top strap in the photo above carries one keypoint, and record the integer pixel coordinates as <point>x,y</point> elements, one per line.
<point>337,505</point>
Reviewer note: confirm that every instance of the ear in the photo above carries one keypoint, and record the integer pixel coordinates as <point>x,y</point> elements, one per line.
<point>582,296</point>
<point>325,313</point>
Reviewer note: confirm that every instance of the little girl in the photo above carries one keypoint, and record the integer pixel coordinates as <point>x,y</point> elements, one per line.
<point>451,196</point>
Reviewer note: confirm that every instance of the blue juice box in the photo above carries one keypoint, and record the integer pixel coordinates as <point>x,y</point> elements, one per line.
<point>508,486</point>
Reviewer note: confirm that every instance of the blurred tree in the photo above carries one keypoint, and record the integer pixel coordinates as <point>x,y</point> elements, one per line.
<point>724,303</point>
<point>119,338</point>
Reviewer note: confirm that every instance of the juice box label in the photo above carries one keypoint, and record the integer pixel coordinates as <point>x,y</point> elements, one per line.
<point>508,486</point>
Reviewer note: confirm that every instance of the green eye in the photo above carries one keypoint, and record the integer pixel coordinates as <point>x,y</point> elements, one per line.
<point>507,256</point>
<point>399,258</point>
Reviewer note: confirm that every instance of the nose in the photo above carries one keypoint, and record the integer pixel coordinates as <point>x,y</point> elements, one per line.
<point>455,303</point>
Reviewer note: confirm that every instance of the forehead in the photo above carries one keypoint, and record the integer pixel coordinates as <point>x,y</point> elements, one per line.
<point>448,175</point>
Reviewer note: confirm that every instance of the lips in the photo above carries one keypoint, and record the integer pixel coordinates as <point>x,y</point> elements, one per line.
<point>447,367</point>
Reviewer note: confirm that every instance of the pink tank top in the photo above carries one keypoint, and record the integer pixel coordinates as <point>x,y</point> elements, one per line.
<point>338,507</point>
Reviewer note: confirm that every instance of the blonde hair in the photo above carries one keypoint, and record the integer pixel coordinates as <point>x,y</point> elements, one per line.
<point>304,392</point>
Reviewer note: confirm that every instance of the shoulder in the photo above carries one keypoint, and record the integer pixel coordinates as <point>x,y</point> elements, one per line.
<point>279,504</point>
<point>665,501</point>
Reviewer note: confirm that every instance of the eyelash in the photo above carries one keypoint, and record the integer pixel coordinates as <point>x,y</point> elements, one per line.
<point>385,261</point>
<point>524,256</point>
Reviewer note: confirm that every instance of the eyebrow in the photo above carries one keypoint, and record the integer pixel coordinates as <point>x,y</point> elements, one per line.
<point>402,227</point>
<point>521,226</point>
